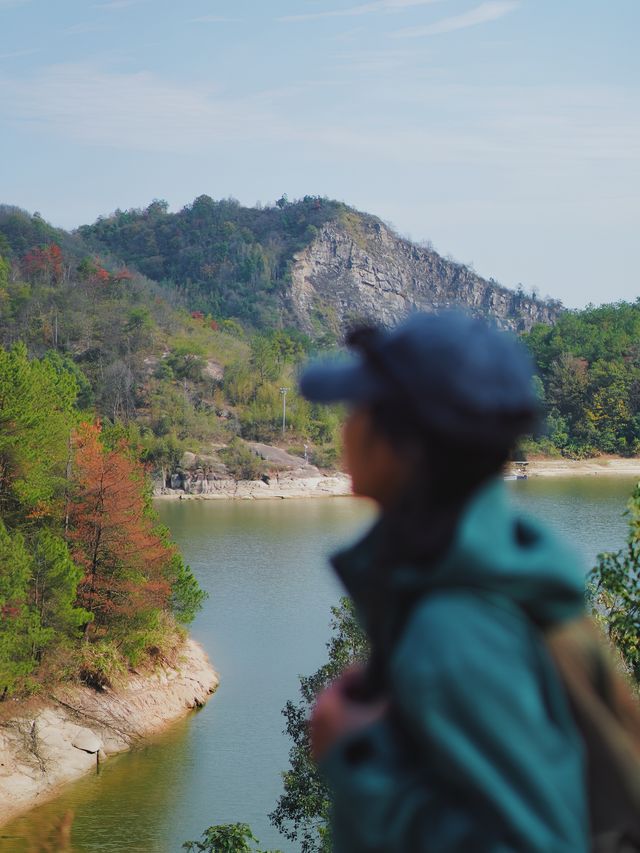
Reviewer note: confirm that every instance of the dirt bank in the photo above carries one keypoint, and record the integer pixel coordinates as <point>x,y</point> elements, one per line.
<point>53,740</point>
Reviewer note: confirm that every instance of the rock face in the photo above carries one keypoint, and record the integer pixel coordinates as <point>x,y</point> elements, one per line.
<point>358,270</point>
<point>288,477</point>
<point>63,737</point>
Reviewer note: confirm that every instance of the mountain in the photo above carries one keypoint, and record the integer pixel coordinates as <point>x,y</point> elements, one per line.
<point>315,265</point>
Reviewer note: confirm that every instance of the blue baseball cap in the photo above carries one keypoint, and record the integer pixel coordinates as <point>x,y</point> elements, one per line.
<point>458,377</point>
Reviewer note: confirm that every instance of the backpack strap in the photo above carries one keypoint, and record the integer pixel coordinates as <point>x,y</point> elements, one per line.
<point>608,717</point>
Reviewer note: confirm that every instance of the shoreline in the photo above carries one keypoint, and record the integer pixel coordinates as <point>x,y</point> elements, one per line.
<point>57,739</point>
<point>599,466</point>
<point>339,484</point>
<point>278,488</point>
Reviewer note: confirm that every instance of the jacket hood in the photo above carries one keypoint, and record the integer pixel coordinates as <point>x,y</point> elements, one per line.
<point>496,549</point>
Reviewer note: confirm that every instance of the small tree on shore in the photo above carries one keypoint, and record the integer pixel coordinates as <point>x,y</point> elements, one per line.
<point>302,812</point>
<point>614,588</point>
<point>226,838</point>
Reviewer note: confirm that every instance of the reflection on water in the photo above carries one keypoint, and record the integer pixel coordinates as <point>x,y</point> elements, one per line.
<point>264,566</point>
<point>130,805</point>
<point>586,510</point>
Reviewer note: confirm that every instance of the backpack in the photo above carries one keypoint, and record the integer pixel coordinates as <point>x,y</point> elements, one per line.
<point>608,718</point>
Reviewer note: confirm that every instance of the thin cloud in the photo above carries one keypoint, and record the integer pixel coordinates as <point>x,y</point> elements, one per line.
<point>362,9</point>
<point>14,54</point>
<point>373,61</point>
<point>130,111</point>
<point>84,27</point>
<point>482,14</point>
<point>118,4</point>
<point>6,4</point>
<point>215,19</point>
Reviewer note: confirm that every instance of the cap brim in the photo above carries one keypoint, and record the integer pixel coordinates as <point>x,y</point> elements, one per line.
<point>346,382</point>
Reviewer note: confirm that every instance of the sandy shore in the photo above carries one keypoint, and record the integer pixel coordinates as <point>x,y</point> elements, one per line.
<point>62,736</point>
<point>600,466</point>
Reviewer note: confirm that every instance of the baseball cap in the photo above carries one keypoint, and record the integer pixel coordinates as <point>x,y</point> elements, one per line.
<point>457,375</point>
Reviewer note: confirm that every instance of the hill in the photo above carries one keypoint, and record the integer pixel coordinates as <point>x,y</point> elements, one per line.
<point>195,360</point>
<point>315,265</point>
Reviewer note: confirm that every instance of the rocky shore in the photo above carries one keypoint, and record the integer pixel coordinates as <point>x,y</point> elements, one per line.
<point>599,466</point>
<point>288,476</point>
<point>50,741</point>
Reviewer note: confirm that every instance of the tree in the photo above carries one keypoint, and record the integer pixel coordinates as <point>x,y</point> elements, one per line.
<point>22,637</point>
<point>54,585</point>
<point>44,263</point>
<point>187,361</point>
<point>123,557</point>
<point>264,357</point>
<point>614,585</point>
<point>225,838</point>
<point>302,812</point>
<point>36,415</point>
<point>132,572</point>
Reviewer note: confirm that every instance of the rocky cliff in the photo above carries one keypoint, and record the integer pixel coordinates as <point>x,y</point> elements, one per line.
<point>357,269</point>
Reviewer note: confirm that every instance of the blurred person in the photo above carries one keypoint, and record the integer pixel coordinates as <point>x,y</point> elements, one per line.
<point>458,735</point>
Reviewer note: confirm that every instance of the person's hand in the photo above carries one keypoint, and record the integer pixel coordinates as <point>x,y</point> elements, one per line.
<point>336,714</point>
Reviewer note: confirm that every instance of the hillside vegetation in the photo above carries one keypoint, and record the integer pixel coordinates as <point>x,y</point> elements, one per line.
<point>196,360</point>
<point>589,380</point>
<point>222,258</point>
<point>90,583</point>
<point>174,379</point>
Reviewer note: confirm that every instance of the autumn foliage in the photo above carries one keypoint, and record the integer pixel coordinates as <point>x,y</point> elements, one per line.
<point>125,561</point>
<point>44,262</point>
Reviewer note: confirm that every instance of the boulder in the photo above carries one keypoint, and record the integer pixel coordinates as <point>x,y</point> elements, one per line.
<point>87,741</point>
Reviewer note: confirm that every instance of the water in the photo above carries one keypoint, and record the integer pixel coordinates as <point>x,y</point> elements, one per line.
<point>266,622</point>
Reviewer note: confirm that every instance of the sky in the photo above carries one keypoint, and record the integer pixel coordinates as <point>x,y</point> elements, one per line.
<point>505,132</point>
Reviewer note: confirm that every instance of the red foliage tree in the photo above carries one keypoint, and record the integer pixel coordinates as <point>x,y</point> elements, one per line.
<point>122,275</point>
<point>45,262</point>
<point>112,535</point>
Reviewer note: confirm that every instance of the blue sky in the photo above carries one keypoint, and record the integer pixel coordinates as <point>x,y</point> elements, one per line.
<point>506,132</point>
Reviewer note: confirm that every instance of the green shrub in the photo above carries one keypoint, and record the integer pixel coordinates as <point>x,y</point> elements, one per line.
<point>241,462</point>
<point>100,664</point>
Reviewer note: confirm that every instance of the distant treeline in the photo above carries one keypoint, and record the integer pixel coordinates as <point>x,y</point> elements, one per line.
<point>589,380</point>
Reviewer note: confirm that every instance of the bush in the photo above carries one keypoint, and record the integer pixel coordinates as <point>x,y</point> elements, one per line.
<point>241,462</point>
<point>100,664</point>
<point>614,590</point>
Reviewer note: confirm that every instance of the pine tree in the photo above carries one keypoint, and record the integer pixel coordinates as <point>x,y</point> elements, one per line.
<point>112,531</point>
<point>22,638</point>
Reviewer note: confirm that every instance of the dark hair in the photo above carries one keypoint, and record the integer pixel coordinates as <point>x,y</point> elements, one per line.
<point>420,526</point>
<point>446,471</point>
<point>445,474</point>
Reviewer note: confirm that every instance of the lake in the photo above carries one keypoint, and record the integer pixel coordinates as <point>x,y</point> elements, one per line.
<point>265,622</point>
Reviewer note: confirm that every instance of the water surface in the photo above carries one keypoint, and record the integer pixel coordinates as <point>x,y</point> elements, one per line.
<point>266,622</point>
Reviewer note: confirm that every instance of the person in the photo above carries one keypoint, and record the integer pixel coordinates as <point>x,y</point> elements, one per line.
<point>457,735</point>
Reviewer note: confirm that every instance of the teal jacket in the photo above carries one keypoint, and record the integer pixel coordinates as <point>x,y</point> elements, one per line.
<point>480,752</point>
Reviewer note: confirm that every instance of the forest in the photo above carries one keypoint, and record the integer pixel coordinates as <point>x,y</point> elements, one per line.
<point>90,582</point>
<point>222,258</point>
<point>588,378</point>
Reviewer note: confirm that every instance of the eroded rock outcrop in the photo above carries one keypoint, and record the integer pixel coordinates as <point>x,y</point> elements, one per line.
<point>63,735</point>
<point>286,476</point>
<point>357,269</point>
